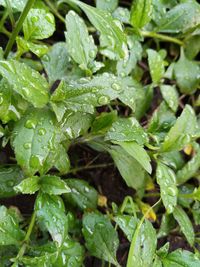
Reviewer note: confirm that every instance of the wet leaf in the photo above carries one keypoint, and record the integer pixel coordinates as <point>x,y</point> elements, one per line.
<point>185,224</point>
<point>127,224</point>
<point>156,65</point>
<point>167,180</point>
<point>28,186</point>
<point>53,185</point>
<point>101,237</point>
<point>39,24</point>
<point>170,95</point>
<point>51,216</point>
<point>25,81</point>
<point>10,232</point>
<point>82,194</point>
<point>141,11</point>
<point>109,6</point>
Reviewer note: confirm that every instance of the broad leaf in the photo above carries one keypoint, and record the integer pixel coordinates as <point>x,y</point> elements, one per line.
<point>24,46</point>
<point>126,130</point>
<point>15,4</point>
<point>132,172</point>
<point>101,237</point>
<point>36,139</point>
<point>181,258</point>
<point>74,124</point>
<point>190,169</point>
<point>141,12</point>
<point>170,95</point>
<point>186,73</point>
<point>82,194</point>
<point>138,153</point>
<point>28,186</point>
<point>182,132</point>
<point>109,6</point>
<point>112,36</point>
<point>10,232</point>
<point>156,65</point>
<point>167,180</point>
<point>143,246</point>
<point>25,81</point>
<point>78,39</point>
<point>185,224</point>
<point>9,177</point>
<point>53,185</point>
<point>39,24</point>
<point>103,122</point>
<point>127,224</point>
<point>56,62</point>
<point>51,215</point>
<point>178,19</point>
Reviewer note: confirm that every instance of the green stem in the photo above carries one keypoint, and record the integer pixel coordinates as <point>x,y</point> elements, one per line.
<point>15,32</point>
<point>4,17</point>
<point>90,167</point>
<point>26,239</point>
<point>137,231</point>
<point>54,10</point>
<point>162,37</point>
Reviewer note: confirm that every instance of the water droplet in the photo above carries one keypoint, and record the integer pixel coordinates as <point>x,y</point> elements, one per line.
<point>27,145</point>
<point>103,100</point>
<point>46,58</point>
<point>87,190</point>
<point>170,209</point>
<point>50,18</point>
<point>41,131</point>
<point>92,53</point>
<point>116,86</point>
<point>30,124</point>
<point>34,19</point>
<point>172,191</point>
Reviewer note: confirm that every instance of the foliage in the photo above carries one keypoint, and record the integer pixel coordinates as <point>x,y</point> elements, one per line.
<point>119,80</point>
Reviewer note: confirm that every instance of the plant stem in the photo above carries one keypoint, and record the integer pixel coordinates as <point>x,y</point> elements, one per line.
<point>137,231</point>
<point>4,17</point>
<point>15,32</point>
<point>26,239</point>
<point>162,37</point>
<point>90,167</point>
<point>54,10</point>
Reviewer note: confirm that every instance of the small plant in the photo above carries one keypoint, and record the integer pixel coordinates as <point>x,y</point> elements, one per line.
<point>92,90</point>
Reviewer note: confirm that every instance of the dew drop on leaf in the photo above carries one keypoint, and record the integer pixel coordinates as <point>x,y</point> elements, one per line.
<point>34,19</point>
<point>103,100</point>
<point>41,131</point>
<point>30,124</point>
<point>116,86</point>
<point>27,145</point>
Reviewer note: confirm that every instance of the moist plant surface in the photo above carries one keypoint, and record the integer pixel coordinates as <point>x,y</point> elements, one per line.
<point>99,133</point>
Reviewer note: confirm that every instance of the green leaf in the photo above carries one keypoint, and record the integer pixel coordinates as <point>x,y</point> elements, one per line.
<point>178,19</point>
<point>167,181</point>
<point>78,39</point>
<point>39,24</point>
<point>127,224</point>
<point>10,233</point>
<point>138,153</point>
<point>82,194</point>
<point>126,130</point>
<point>109,6</point>
<point>24,46</point>
<point>181,258</point>
<point>132,172</point>
<point>122,14</point>
<point>28,186</point>
<point>75,124</point>
<point>53,185</point>
<point>126,65</point>
<point>170,95</point>
<point>192,47</point>
<point>186,73</point>
<point>25,81</point>
<point>190,169</point>
<point>143,246</point>
<point>15,4</point>
<point>36,138</point>
<point>101,237</point>
<point>167,225</point>
<point>141,11</point>
<point>156,65</point>
<point>86,93</point>
<point>103,122</point>
<point>182,132</point>
<point>12,105</point>
<point>51,215</point>
<point>185,224</point>
<point>9,177</point>
<point>112,36</point>
<point>62,162</point>
<point>57,62</point>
